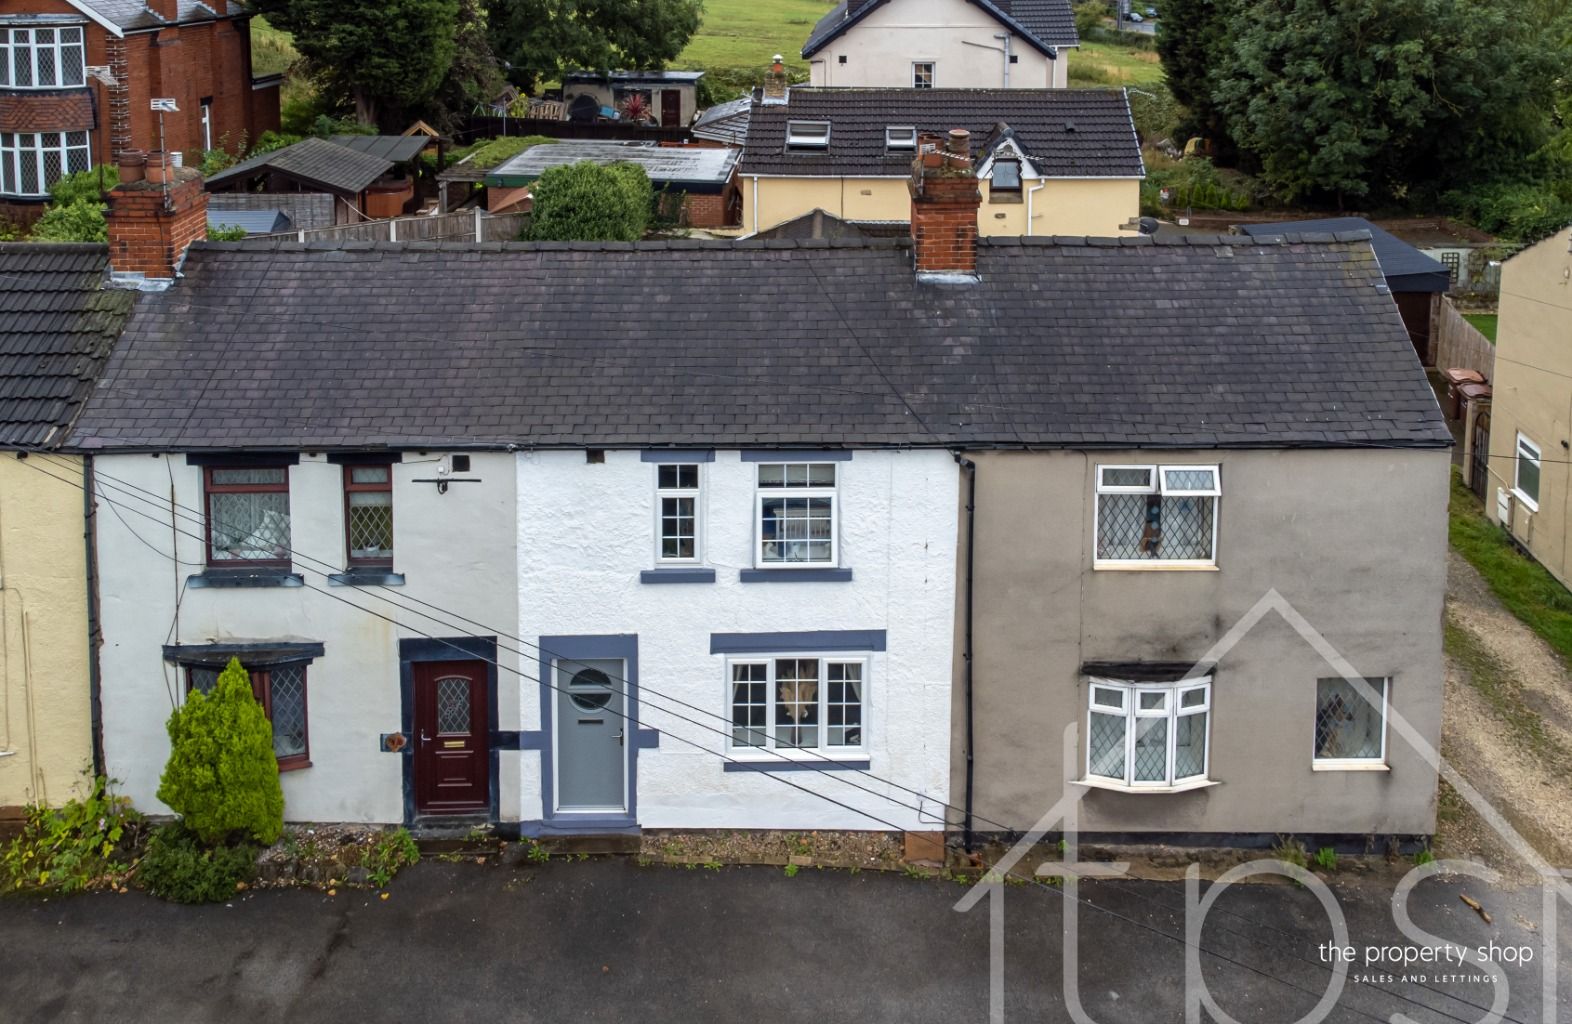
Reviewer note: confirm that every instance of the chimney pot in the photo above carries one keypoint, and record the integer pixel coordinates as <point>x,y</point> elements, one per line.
<point>945,201</point>
<point>960,141</point>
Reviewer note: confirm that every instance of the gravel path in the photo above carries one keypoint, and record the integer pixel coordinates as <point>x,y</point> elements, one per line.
<point>1507,724</point>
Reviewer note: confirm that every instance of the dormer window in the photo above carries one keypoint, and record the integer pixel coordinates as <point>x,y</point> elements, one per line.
<point>1006,175</point>
<point>900,140</point>
<point>808,134</point>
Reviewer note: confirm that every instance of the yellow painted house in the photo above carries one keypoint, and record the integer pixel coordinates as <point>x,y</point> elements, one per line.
<point>1530,490</point>
<point>57,326</point>
<point>1049,161</point>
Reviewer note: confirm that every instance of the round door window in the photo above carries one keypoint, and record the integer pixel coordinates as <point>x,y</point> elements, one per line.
<point>590,689</point>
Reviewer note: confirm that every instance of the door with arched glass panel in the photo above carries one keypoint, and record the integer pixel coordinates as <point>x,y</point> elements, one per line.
<point>452,749</point>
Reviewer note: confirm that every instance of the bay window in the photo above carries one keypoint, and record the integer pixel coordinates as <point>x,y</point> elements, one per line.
<point>32,161</point>
<point>42,58</point>
<point>1157,515</point>
<point>797,703</point>
<point>1151,735</point>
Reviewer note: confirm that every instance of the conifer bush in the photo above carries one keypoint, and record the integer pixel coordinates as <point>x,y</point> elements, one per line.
<point>222,777</point>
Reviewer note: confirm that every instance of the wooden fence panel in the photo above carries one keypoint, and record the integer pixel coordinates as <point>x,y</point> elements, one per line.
<point>1459,343</point>
<point>465,226</point>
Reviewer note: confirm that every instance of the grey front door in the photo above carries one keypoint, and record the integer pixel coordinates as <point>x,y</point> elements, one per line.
<point>591,735</point>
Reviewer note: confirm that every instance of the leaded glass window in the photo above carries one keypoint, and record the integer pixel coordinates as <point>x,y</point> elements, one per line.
<point>281,690</point>
<point>1157,514</point>
<point>1147,734</point>
<point>1350,725</point>
<point>248,515</point>
<point>32,161</point>
<point>368,515</point>
<point>42,58</point>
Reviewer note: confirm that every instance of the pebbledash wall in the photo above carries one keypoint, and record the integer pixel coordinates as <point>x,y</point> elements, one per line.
<point>454,550</point>
<point>586,540</point>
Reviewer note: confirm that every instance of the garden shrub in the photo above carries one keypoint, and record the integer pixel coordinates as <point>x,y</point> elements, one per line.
<point>587,202</point>
<point>79,221</point>
<point>179,867</point>
<point>222,777</point>
<point>84,844</point>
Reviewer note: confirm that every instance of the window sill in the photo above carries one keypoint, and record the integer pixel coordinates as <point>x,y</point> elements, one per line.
<point>1525,500</point>
<point>293,766</point>
<point>825,575</point>
<point>246,578</point>
<point>854,762</point>
<point>1119,787</point>
<point>1154,566</point>
<point>1006,198</point>
<point>1350,766</point>
<point>685,574</point>
<point>366,578</point>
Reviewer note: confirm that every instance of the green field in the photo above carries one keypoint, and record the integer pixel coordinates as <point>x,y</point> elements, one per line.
<point>747,33</point>
<point>1108,64</point>
<point>272,51</point>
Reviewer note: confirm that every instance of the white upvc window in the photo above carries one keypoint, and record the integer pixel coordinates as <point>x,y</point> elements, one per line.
<point>1525,476</point>
<point>924,74</point>
<point>207,124</point>
<point>808,134</point>
<point>32,161</point>
<point>1148,735</point>
<point>798,702</point>
<point>42,58</point>
<point>796,516</point>
<point>1156,516</point>
<point>677,513</point>
<point>1350,723</point>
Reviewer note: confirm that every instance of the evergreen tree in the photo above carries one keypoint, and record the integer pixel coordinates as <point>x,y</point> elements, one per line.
<point>1192,39</point>
<point>537,39</point>
<point>222,777</point>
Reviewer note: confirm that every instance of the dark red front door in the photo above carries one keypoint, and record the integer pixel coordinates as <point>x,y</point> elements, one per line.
<point>452,755</point>
<point>671,109</point>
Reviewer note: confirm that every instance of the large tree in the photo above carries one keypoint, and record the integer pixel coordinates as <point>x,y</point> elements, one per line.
<point>537,39</point>
<point>1337,98</point>
<point>1191,39</point>
<point>387,56</point>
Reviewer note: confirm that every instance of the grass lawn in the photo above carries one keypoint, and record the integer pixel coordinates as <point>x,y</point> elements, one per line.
<point>1110,64</point>
<point>747,33</point>
<point>1485,322</point>
<point>1523,585</point>
<point>272,50</point>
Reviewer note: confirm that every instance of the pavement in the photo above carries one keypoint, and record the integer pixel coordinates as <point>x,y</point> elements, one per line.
<point>609,940</point>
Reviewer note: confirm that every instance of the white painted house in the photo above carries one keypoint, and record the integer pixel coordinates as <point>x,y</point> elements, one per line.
<point>943,44</point>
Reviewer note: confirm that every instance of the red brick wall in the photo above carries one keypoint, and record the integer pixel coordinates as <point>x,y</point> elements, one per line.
<point>944,224</point>
<point>146,237</point>
<point>187,62</point>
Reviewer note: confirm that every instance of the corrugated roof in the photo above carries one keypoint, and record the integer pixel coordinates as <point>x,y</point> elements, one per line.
<point>677,165</point>
<point>1044,24</point>
<point>57,326</point>
<point>1059,343</point>
<point>1065,132</point>
<point>315,161</point>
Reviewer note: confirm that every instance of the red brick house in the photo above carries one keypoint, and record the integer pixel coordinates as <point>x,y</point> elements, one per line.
<point>77,78</point>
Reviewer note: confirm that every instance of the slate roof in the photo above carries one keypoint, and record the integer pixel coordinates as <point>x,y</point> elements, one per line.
<point>397,148</point>
<point>131,15</point>
<point>725,122</point>
<point>1406,268</point>
<point>57,325</point>
<point>1079,133</point>
<point>1044,24</point>
<point>1061,342</point>
<point>314,161</point>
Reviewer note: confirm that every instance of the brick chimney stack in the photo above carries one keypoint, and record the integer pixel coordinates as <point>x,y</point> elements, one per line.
<point>150,229</point>
<point>169,10</point>
<point>945,201</point>
<point>775,82</point>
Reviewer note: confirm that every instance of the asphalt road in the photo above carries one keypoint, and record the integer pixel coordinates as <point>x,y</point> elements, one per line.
<point>607,940</point>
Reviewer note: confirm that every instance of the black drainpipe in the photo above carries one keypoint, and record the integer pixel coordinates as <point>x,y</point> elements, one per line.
<point>94,681</point>
<point>966,644</point>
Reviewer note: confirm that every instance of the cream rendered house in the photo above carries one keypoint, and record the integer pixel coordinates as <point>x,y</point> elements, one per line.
<point>57,326</point>
<point>1050,162</point>
<point>943,44</point>
<point>1531,417</point>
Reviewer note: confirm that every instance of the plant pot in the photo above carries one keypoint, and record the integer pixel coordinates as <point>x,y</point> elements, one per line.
<point>158,172</point>
<point>133,166</point>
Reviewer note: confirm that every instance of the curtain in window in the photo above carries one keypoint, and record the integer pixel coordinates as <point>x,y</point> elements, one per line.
<point>1140,526</point>
<point>1346,725</point>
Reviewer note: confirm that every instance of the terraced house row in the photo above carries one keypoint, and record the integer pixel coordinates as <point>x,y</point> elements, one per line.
<point>915,534</point>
